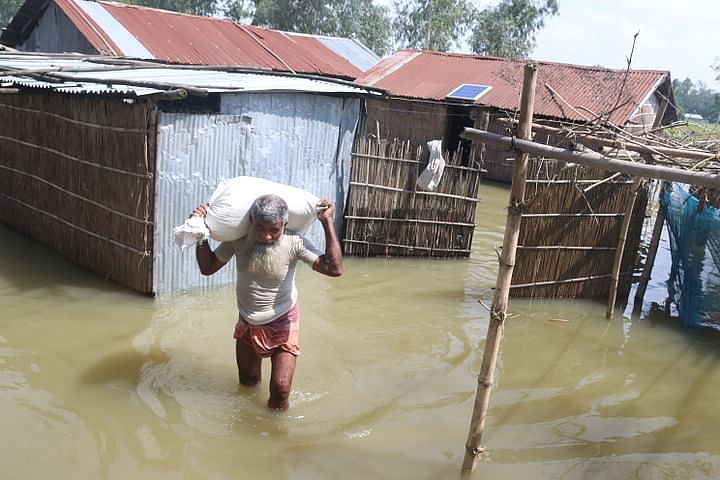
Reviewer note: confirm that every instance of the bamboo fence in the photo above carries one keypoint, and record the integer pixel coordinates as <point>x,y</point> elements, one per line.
<point>388,215</point>
<point>77,173</point>
<point>570,232</point>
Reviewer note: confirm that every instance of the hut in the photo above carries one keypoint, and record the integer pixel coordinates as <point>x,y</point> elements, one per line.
<point>434,95</point>
<point>119,29</point>
<point>573,216</point>
<point>100,161</point>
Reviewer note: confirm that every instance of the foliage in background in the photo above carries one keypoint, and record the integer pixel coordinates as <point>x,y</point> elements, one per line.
<point>438,25</point>
<point>506,29</point>
<point>195,7</point>
<point>509,28</point>
<point>695,97</point>
<point>8,9</point>
<point>360,19</point>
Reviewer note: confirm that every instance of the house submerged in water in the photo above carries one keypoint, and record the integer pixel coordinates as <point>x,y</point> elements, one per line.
<point>101,159</point>
<point>435,95</point>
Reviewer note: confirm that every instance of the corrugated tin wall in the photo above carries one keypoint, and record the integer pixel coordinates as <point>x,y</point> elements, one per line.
<point>304,140</point>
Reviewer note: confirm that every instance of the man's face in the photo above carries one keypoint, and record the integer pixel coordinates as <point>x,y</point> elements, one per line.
<point>267,233</point>
<point>263,248</point>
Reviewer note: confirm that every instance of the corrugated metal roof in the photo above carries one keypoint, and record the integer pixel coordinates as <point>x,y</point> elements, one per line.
<point>356,53</point>
<point>566,91</point>
<point>131,30</point>
<point>79,76</point>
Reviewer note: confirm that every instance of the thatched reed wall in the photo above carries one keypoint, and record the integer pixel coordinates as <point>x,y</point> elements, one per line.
<point>498,164</point>
<point>397,118</point>
<point>388,215</point>
<point>77,173</point>
<point>570,232</point>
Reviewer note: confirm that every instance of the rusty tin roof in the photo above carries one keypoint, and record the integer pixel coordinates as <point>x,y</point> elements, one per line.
<point>143,32</point>
<point>563,91</point>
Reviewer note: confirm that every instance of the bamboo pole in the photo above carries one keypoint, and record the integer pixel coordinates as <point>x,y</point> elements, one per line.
<point>502,290</point>
<point>650,260</point>
<point>596,160</point>
<point>565,281</point>
<point>621,248</point>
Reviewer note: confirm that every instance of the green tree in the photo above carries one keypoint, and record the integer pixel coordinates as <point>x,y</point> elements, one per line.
<point>8,9</point>
<point>195,7</point>
<point>509,28</point>
<point>695,97</point>
<point>359,19</point>
<point>432,24</point>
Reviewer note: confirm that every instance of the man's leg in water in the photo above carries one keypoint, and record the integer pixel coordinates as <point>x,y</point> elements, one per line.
<point>249,364</point>
<point>283,369</point>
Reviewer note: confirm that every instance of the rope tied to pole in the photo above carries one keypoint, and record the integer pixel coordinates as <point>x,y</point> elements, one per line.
<point>517,207</point>
<point>474,451</point>
<point>497,315</point>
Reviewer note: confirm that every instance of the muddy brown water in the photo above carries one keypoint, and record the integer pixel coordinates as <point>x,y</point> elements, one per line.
<point>97,382</point>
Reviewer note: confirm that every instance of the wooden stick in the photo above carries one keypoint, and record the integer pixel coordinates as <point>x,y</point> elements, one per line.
<point>631,146</point>
<point>434,194</point>
<point>75,122</point>
<point>410,220</point>
<point>650,260</point>
<point>408,247</point>
<point>580,182</point>
<point>381,157</point>
<point>566,280</point>
<point>75,159</point>
<point>199,91</point>
<point>621,248</point>
<point>594,159</point>
<point>143,253</point>
<point>563,247</point>
<point>502,290</point>
<point>573,215</point>
<point>75,195</point>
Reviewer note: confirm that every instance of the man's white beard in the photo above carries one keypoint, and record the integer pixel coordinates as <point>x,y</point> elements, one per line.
<point>263,258</point>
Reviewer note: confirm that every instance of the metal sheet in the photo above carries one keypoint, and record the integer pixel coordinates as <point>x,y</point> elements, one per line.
<point>298,139</point>
<point>565,91</point>
<point>111,79</point>
<point>125,41</point>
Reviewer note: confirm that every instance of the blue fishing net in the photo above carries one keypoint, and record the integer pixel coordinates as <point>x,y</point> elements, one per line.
<point>694,283</point>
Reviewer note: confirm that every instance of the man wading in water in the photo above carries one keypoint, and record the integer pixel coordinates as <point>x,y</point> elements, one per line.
<point>266,257</point>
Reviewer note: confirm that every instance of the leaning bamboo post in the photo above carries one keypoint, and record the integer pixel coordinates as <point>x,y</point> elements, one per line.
<point>637,181</point>
<point>502,288</point>
<point>596,160</point>
<point>650,260</point>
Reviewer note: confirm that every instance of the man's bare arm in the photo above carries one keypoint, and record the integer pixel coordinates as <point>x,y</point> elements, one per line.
<point>330,263</point>
<point>206,258</point>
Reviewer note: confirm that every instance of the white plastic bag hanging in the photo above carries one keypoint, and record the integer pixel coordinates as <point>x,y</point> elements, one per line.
<point>430,177</point>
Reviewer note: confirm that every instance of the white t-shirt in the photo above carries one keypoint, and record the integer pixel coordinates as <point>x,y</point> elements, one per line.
<point>263,297</point>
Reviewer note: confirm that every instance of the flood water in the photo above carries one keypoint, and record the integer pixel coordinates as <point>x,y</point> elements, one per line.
<point>97,382</point>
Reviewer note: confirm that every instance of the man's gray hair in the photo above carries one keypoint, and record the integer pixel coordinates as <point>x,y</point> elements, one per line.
<point>269,209</point>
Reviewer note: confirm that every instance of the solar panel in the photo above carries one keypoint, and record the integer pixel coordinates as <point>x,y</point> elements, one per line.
<point>469,91</point>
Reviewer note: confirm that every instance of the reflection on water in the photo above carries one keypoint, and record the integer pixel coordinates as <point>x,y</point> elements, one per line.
<point>98,382</point>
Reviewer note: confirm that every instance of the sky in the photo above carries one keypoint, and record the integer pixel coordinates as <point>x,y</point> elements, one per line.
<point>682,36</point>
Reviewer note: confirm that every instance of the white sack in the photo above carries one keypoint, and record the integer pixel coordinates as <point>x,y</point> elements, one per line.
<point>191,232</point>
<point>227,217</point>
<point>430,177</point>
